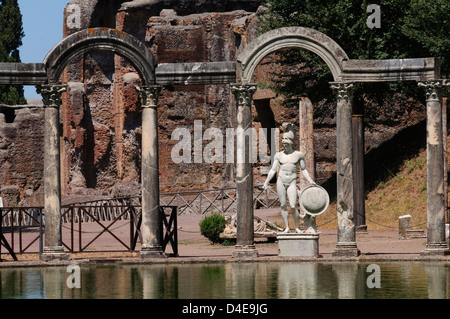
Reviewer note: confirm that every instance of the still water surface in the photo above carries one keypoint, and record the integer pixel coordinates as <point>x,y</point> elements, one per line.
<point>273,280</point>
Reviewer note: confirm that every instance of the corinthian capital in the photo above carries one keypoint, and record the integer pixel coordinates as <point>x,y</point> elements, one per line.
<point>433,89</point>
<point>149,95</point>
<point>243,93</point>
<point>343,90</point>
<point>51,94</point>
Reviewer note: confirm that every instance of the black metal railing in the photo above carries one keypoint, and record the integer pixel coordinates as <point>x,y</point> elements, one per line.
<point>219,200</point>
<point>15,221</point>
<point>106,216</point>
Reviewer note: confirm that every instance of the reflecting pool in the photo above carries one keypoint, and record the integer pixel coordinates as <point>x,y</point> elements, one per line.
<point>256,280</point>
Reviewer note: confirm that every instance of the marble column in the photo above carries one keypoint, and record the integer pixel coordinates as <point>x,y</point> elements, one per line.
<point>346,234</point>
<point>245,246</point>
<point>445,142</point>
<point>358,173</point>
<point>436,244</point>
<point>151,226</point>
<point>51,97</point>
<point>306,143</point>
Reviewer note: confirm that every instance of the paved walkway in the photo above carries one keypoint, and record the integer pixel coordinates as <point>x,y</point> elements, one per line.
<point>193,247</point>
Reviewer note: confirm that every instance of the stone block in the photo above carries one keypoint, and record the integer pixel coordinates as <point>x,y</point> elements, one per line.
<point>244,251</point>
<point>404,224</point>
<point>405,228</point>
<point>298,244</point>
<point>54,253</point>
<point>346,250</point>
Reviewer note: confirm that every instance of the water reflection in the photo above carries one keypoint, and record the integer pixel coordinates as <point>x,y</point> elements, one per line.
<point>281,280</point>
<point>437,281</point>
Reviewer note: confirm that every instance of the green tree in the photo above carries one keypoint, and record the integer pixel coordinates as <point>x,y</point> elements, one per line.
<point>409,29</point>
<point>11,33</point>
<point>428,22</point>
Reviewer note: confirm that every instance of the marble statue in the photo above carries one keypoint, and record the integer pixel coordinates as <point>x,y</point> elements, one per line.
<point>288,161</point>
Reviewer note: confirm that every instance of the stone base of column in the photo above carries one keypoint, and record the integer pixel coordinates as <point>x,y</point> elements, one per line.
<point>346,250</point>
<point>151,252</point>
<point>244,251</point>
<point>362,229</point>
<point>436,250</point>
<point>54,253</point>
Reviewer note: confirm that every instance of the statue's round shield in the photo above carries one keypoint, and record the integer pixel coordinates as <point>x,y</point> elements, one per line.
<point>314,200</point>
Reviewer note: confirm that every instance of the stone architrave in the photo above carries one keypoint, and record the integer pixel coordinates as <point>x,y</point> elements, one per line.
<point>245,246</point>
<point>436,244</point>
<point>51,97</point>
<point>151,227</point>
<point>346,232</point>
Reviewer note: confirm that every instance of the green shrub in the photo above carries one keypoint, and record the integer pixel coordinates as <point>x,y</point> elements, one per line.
<point>211,227</point>
<point>228,242</point>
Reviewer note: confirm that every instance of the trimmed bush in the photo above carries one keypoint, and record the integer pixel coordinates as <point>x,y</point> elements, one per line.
<point>211,227</point>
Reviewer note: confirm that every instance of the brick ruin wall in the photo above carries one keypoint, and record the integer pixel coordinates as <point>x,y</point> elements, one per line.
<point>21,154</point>
<point>100,115</point>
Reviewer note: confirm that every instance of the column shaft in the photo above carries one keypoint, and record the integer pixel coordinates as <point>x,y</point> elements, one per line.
<point>435,171</point>
<point>346,235</point>
<point>51,96</point>
<point>151,227</point>
<point>306,138</point>
<point>306,143</point>
<point>358,172</point>
<point>444,136</point>
<point>244,175</point>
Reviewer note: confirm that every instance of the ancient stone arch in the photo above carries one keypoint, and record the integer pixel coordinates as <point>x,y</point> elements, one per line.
<point>100,39</point>
<point>118,42</point>
<point>291,37</point>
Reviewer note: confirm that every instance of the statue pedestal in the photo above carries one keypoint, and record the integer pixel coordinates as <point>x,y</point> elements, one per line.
<point>295,244</point>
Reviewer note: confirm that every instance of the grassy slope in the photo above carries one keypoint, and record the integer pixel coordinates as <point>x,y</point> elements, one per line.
<point>403,193</point>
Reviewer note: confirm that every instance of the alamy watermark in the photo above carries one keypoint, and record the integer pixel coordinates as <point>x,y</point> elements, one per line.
<point>74,279</point>
<point>73,20</point>
<point>374,279</point>
<point>214,145</point>
<point>374,20</point>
